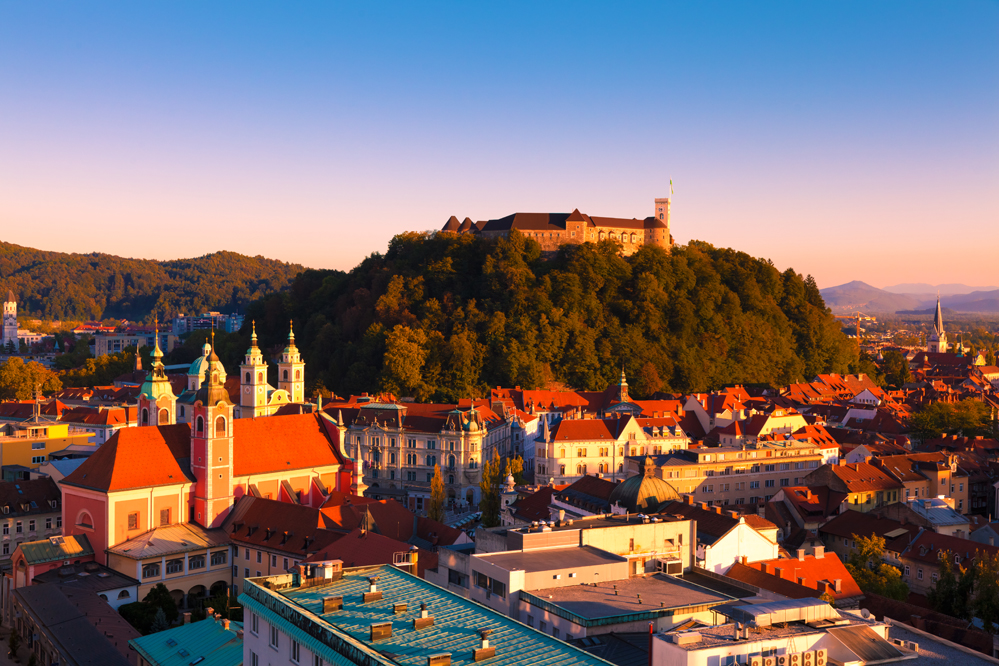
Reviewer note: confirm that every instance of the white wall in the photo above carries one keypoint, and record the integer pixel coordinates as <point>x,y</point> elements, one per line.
<point>741,541</point>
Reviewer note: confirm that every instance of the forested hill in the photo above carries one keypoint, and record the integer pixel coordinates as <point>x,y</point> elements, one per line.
<point>55,285</point>
<point>445,317</point>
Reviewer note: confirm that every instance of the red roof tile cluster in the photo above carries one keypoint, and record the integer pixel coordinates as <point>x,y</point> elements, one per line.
<point>291,528</point>
<point>360,548</point>
<point>810,572</point>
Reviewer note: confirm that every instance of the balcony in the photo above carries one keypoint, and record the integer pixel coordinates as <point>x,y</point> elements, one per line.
<point>473,475</point>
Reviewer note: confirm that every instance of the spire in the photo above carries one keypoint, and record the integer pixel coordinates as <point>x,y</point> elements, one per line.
<point>622,387</point>
<point>157,352</point>
<point>291,334</point>
<point>253,333</point>
<point>938,326</point>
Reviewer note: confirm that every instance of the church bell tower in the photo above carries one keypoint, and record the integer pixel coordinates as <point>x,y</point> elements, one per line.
<point>291,370</point>
<point>253,381</point>
<point>211,449</point>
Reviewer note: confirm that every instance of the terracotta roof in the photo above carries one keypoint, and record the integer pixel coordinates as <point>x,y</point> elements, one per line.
<point>713,522</point>
<point>928,546</point>
<point>850,523</point>
<point>292,528</point>
<point>864,477</point>
<point>137,458</point>
<point>814,501</point>
<point>812,570</point>
<point>787,588</point>
<point>534,506</point>
<point>160,455</point>
<point>32,496</point>
<point>359,548</point>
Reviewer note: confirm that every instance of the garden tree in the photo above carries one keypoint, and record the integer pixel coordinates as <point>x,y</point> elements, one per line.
<point>443,317</point>
<point>436,509</point>
<point>513,466</point>
<point>225,605</point>
<point>866,565</point>
<point>866,365</point>
<point>943,595</point>
<point>160,597</point>
<point>54,285</point>
<point>102,370</point>
<point>985,605</point>
<point>10,349</point>
<point>159,622</point>
<point>895,368</point>
<point>968,417</point>
<point>76,354</point>
<point>489,487</point>
<point>18,379</point>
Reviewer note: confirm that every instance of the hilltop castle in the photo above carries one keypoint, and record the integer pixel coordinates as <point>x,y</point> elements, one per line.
<point>554,229</point>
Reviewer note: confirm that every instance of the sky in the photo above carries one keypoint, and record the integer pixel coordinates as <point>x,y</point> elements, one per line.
<point>849,140</point>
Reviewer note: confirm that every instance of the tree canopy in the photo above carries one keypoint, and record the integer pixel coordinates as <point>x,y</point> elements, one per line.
<point>443,317</point>
<point>56,285</point>
<point>18,379</point>
<point>867,566</point>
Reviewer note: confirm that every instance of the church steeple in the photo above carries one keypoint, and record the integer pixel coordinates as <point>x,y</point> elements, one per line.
<point>211,448</point>
<point>291,369</point>
<point>622,387</point>
<point>253,380</point>
<point>157,402</point>
<point>937,341</point>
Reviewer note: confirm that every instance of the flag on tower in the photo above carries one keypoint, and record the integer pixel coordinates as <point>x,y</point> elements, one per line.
<point>671,187</point>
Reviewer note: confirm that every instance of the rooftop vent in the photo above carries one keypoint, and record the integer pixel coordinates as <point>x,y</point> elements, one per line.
<point>424,621</point>
<point>372,594</point>
<point>484,651</point>
<point>380,630</point>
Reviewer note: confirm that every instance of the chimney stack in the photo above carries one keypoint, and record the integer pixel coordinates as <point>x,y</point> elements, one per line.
<point>819,552</point>
<point>838,584</point>
<point>801,554</point>
<point>484,651</point>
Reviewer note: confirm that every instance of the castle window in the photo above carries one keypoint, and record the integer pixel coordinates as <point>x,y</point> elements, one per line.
<point>200,426</point>
<point>220,426</point>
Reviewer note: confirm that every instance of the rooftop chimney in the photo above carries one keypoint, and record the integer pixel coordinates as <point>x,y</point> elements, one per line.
<point>484,651</point>
<point>424,620</point>
<point>801,554</point>
<point>372,594</point>
<point>819,552</point>
<point>838,584</point>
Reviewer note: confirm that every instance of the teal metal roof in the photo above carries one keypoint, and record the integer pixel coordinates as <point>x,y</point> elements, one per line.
<point>343,636</point>
<point>182,645</point>
<point>56,548</point>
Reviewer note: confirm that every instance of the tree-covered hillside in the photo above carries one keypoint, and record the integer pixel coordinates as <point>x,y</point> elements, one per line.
<point>444,317</point>
<point>55,285</point>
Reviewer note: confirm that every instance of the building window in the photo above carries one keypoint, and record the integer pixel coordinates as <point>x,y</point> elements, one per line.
<point>175,566</point>
<point>200,426</point>
<point>907,571</point>
<point>254,659</point>
<point>31,525</point>
<point>296,651</point>
<point>196,562</point>
<point>274,637</point>
<point>543,626</point>
<point>246,572</point>
<point>151,570</point>
<point>254,623</point>
<point>6,548</point>
<point>220,557</point>
<point>164,517</point>
<point>530,621</point>
<point>286,564</point>
<point>18,528</point>
<point>259,556</point>
<point>220,426</point>
<point>317,660</point>
<point>919,574</point>
<point>48,523</point>
<point>246,554</point>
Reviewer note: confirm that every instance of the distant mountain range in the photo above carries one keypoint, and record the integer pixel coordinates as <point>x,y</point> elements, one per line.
<point>861,296</point>
<point>921,288</point>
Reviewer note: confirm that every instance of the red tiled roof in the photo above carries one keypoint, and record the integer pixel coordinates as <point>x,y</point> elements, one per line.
<point>359,548</point>
<point>160,455</point>
<point>292,528</point>
<point>792,590</point>
<point>815,569</point>
<point>535,506</point>
<point>850,523</point>
<point>137,458</point>
<point>928,546</point>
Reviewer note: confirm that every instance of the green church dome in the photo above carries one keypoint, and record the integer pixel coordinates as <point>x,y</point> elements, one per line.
<point>644,492</point>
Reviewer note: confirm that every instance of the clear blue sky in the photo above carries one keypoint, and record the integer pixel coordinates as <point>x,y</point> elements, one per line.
<point>850,140</point>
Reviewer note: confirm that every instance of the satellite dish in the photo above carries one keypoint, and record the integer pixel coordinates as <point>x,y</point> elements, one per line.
<point>866,614</point>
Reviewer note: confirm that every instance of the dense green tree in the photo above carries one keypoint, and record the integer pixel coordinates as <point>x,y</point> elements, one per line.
<point>435,511</point>
<point>985,605</point>
<point>489,486</point>
<point>443,317</point>
<point>160,597</point>
<point>867,566</point>
<point>968,418</point>
<point>18,379</point>
<point>943,595</point>
<point>159,622</point>
<point>101,371</point>
<point>895,368</point>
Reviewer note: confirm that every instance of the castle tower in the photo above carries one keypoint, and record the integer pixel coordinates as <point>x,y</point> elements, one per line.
<point>9,331</point>
<point>937,341</point>
<point>211,449</point>
<point>662,210</point>
<point>157,402</point>
<point>253,381</point>
<point>291,370</point>
<point>657,231</point>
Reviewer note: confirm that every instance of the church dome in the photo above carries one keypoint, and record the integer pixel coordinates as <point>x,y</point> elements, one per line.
<point>644,492</point>
<point>200,366</point>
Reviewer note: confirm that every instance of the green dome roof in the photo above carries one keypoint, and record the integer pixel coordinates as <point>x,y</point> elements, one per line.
<point>644,492</point>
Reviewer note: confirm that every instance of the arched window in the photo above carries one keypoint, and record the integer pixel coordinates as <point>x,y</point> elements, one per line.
<point>298,375</point>
<point>450,478</point>
<point>601,235</point>
<point>199,426</point>
<point>84,520</point>
<point>124,594</point>
<point>579,469</point>
<point>286,375</point>
<point>450,462</point>
<point>260,376</point>
<point>561,453</point>
<point>248,377</point>
<point>145,416</point>
<point>215,378</point>
<point>220,426</point>
<point>182,410</point>
<point>164,417</point>
<point>103,596</point>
